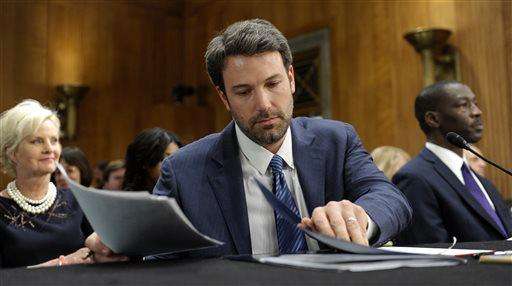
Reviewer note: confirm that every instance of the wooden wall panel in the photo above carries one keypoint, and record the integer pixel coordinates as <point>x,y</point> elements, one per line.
<point>484,37</point>
<point>376,73</point>
<point>132,56</point>
<point>127,54</point>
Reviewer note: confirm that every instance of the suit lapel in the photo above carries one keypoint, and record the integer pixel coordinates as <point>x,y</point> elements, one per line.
<point>224,173</point>
<point>309,161</point>
<point>455,183</point>
<point>501,209</point>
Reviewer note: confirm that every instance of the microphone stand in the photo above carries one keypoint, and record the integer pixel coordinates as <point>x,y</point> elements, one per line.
<point>487,160</point>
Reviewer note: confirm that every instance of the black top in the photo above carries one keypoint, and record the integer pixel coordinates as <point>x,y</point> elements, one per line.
<point>28,239</point>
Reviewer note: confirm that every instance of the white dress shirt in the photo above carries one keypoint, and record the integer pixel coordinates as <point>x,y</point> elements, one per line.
<point>454,163</point>
<point>255,162</point>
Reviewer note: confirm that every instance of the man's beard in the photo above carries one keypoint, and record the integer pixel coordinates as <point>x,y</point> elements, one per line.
<point>263,136</point>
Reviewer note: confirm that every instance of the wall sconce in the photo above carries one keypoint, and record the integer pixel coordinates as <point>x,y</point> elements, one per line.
<point>68,98</point>
<point>440,60</point>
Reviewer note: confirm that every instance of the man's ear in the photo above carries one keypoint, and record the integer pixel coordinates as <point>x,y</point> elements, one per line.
<point>223,97</point>
<point>291,78</point>
<point>432,119</point>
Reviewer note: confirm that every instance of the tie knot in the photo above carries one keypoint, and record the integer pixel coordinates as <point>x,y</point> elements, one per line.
<point>276,164</point>
<point>464,167</point>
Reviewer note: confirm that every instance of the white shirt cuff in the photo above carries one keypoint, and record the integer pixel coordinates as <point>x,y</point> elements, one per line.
<point>371,229</point>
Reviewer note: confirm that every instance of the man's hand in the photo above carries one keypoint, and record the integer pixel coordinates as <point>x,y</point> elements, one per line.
<point>101,252</point>
<point>343,220</point>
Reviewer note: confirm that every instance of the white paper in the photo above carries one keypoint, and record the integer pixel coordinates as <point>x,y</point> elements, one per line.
<point>138,223</point>
<point>356,262</point>
<point>435,251</point>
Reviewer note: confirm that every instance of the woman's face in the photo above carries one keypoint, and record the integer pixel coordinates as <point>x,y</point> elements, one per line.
<point>154,172</point>
<point>38,154</point>
<point>73,173</point>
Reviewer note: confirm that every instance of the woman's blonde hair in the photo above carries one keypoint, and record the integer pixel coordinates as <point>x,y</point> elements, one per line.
<point>389,159</point>
<point>19,122</point>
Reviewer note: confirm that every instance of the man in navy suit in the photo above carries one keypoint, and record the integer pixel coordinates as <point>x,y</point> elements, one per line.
<point>448,198</point>
<point>317,168</point>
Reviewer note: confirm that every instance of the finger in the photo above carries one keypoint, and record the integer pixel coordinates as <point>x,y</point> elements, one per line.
<point>362,218</point>
<point>93,242</point>
<point>353,228</point>
<point>109,258</point>
<point>336,221</point>
<point>321,222</point>
<point>307,223</point>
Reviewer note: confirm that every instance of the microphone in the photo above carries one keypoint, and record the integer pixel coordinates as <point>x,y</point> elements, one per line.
<point>459,141</point>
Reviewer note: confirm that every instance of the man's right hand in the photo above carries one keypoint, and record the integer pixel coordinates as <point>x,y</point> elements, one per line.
<point>101,252</point>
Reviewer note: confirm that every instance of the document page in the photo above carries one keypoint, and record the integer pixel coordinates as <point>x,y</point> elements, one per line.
<point>138,223</point>
<point>357,262</point>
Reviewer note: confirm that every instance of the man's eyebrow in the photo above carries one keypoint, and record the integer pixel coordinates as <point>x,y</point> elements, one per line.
<point>245,85</point>
<point>239,86</point>
<point>273,77</point>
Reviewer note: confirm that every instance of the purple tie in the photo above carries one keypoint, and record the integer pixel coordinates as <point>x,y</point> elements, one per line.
<point>478,194</point>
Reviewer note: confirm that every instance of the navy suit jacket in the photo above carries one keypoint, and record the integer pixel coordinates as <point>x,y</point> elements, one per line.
<point>443,207</point>
<point>205,177</point>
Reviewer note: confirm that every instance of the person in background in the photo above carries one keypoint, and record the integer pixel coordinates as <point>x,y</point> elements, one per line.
<point>448,199</point>
<point>98,171</point>
<point>77,167</point>
<point>389,159</point>
<point>476,163</point>
<point>114,175</point>
<point>144,158</point>
<point>38,224</point>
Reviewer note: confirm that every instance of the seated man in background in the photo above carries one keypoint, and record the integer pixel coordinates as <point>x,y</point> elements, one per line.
<point>317,168</point>
<point>448,198</point>
<point>389,159</point>
<point>114,175</point>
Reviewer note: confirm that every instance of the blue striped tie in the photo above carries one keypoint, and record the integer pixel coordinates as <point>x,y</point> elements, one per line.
<point>289,237</point>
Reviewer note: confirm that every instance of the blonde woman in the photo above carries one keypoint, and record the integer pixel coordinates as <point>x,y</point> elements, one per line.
<point>390,159</point>
<point>38,224</point>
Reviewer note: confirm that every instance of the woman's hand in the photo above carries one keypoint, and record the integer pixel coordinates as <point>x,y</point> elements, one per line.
<point>81,256</point>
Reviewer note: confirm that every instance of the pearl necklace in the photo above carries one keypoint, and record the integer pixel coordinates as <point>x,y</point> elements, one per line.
<point>29,205</point>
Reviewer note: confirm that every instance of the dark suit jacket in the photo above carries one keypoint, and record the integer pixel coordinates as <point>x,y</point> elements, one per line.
<point>206,179</point>
<point>443,207</point>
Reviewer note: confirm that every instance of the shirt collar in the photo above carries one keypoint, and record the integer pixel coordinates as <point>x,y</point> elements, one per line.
<point>258,156</point>
<point>449,158</point>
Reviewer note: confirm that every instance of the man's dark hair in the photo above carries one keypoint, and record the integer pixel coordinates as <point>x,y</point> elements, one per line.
<point>246,38</point>
<point>145,152</point>
<point>429,99</point>
<point>75,157</point>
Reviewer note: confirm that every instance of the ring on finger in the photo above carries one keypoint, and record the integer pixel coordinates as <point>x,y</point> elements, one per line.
<point>351,219</point>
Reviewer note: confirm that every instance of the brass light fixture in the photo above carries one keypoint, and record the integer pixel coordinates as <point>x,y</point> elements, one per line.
<point>69,96</point>
<point>440,60</point>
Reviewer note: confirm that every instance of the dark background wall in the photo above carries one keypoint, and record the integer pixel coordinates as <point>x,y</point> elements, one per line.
<point>132,53</point>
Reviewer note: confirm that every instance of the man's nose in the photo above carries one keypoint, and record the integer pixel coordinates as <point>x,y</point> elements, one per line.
<point>476,111</point>
<point>262,100</point>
